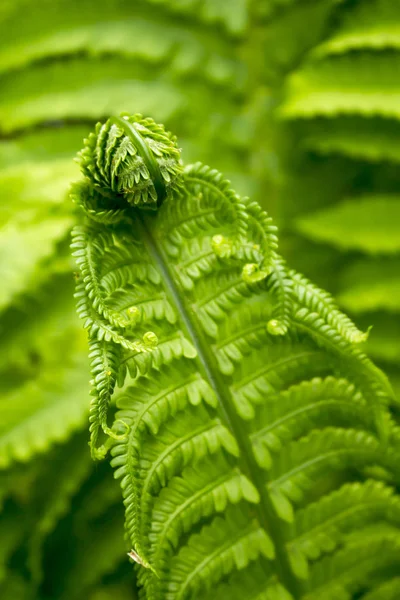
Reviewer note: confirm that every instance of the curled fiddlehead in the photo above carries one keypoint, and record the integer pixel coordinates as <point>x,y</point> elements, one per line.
<point>132,160</point>
<point>128,163</point>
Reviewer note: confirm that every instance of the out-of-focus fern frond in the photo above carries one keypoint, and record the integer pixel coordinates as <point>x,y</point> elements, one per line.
<point>371,25</point>
<point>371,285</point>
<point>42,92</point>
<point>369,224</point>
<point>22,250</point>
<point>42,411</point>
<point>372,138</point>
<point>328,87</point>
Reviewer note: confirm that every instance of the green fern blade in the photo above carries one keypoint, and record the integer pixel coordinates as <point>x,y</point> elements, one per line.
<point>145,407</point>
<point>214,378</point>
<point>374,27</point>
<point>281,285</point>
<point>329,87</point>
<point>76,90</point>
<point>371,285</point>
<point>23,249</point>
<point>46,182</point>
<point>322,303</point>
<point>108,32</point>
<point>382,210</point>
<point>39,151</point>
<point>373,139</point>
<point>51,415</point>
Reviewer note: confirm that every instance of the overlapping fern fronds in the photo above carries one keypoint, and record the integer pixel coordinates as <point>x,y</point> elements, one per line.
<point>341,101</point>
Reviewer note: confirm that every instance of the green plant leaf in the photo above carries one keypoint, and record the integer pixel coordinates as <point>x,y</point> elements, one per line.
<point>371,285</point>
<point>226,426</point>
<point>330,87</point>
<point>367,224</point>
<point>367,26</point>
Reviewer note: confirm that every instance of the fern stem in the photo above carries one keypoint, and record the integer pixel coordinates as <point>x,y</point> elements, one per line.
<point>265,510</point>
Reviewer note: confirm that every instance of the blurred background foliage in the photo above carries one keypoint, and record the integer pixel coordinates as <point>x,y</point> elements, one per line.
<point>296,101</point>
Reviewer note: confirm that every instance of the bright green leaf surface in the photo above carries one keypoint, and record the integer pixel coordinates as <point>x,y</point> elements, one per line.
<point>368,224</point>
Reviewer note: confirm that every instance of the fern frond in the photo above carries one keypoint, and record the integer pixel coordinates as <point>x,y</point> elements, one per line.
<point>113,31</point>
<point>133,157</point>
<point>369,285</point>
<point>250,333</point>
<point>375,139</point>
<point>358,367</point>
<point>219,293</point>
<point>88,252</point>
<point>223,415</point>
<point>328,87</point>
<point>42,411</point>
<point>22,251</point>
<point>32,96</point>
<point>372,26</point>
<point>335,225</point>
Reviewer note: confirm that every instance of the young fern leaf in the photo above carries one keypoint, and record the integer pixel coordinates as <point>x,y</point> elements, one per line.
<point>245,433</point>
